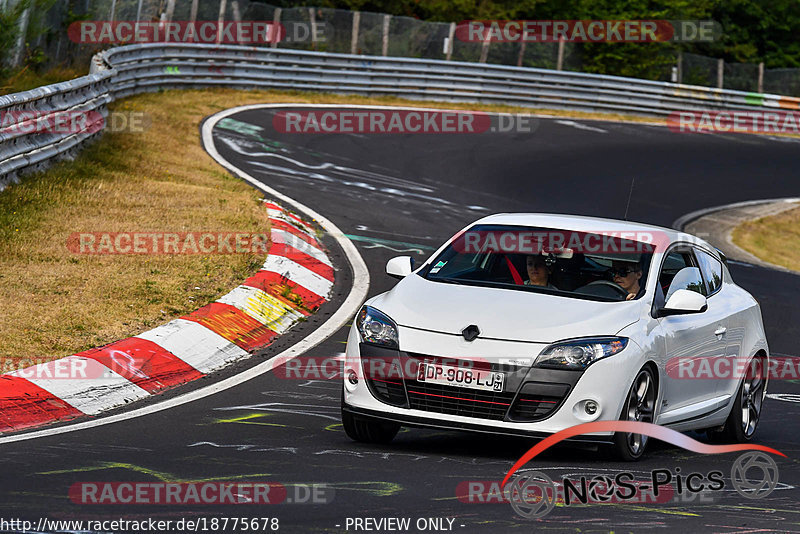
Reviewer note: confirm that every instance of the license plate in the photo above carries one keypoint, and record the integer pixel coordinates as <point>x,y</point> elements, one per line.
<point>448,375</point>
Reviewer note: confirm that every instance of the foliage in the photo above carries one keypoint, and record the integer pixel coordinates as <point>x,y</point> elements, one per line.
<point>9,30</point>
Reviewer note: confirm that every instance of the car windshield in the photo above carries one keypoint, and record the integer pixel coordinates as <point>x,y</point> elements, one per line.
<point>605,266</point>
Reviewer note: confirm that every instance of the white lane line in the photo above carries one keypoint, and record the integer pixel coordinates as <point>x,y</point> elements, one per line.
<point>195,344</point>
<point>580,126</point>
<point>100,390</point>
<point>341,317</point>
<point>788,397</point>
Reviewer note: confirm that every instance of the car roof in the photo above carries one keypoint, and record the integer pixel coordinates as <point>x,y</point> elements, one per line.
<point>579,223</point>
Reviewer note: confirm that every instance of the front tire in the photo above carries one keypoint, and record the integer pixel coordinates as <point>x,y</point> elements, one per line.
<point>366,431</point>
<point>639,406</point>
<point>742,422</point>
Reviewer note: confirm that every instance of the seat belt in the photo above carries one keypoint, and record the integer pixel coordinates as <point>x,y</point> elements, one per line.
<point>514,273</point>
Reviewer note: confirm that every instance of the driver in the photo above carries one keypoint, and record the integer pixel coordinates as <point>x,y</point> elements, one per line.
<point>538,272</point>
<point>627,276</point>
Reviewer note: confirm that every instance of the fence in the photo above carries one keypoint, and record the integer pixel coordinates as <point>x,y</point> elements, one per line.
<point>369,34</point>
<point>128,70</point>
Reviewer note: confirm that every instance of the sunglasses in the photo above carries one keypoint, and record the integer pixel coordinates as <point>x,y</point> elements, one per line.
<point>623,271</point>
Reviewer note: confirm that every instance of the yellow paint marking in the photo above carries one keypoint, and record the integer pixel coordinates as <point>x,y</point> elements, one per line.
<point>158,475</point>
<point>271,311</point>
<point>245,420</point>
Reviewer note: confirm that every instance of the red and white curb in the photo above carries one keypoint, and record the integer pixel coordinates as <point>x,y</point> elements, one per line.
<point>294,281</point>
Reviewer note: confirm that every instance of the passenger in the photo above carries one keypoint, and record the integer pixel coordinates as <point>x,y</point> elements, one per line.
<point>627,276</point>
<point>538,272</point>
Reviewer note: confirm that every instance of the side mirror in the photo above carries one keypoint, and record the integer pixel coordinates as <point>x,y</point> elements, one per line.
<point>684,301</point>
<point>400,267</point>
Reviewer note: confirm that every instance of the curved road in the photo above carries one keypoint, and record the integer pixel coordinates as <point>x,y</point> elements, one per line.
<point>398,194</point>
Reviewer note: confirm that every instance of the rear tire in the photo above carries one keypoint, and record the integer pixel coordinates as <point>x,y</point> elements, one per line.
<point>366,431</point>
<point>742,422</point>
<point>639,406</point>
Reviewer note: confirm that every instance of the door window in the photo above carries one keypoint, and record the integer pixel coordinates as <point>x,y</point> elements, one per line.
<point>711,268</point>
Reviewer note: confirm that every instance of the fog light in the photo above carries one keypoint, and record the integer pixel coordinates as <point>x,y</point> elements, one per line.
<point>590,407</point>
<point>352,377</point>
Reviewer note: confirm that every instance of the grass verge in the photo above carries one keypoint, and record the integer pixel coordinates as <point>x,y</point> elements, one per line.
<point>56,302</point>
<point>775,239</point>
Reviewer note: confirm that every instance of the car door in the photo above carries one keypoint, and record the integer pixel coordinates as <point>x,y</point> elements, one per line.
<point>735,322</point>
<point>693,342</point>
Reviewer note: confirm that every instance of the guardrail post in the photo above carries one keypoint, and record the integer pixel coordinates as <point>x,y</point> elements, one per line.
<point>680,67</point>
<point>23,32</point>
<point>720,72</point>
<point>485,48</point>
<point>312,17</point>
<point>521,54</point>
<point>761,77</point>
<point>354,33</point>
<point>237,14</point>
<point>276,27</point>
<point>223,4</point>
<point>560,58</point>
<point>170,10</point>
<point>450,36</point>
<point>385,44</point>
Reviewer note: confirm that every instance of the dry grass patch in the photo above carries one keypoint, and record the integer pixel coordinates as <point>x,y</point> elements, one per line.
<point>775,239</point>
<point>55,302</point>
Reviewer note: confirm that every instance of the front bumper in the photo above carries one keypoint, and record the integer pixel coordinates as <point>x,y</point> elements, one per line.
<point>605,382</point>
<point>444,424</point>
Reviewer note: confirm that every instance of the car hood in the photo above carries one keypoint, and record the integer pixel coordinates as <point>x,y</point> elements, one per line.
<point>506,314</point>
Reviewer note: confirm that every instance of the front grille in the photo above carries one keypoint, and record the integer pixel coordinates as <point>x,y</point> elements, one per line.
<point>537,401</point>
<point>534,407</point>
<point>389,391</point>
<point>458,401</point>
<point>392,378</point>
<point>383,373</point>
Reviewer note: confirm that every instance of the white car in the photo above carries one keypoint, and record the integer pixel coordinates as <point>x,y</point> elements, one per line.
<point>528,324</point>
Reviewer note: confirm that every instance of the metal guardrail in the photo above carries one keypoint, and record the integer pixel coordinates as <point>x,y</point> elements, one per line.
<point>26,145</point>
<point>133,69</point>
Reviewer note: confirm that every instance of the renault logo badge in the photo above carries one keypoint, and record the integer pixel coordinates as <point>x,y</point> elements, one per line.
<point>471,332</point>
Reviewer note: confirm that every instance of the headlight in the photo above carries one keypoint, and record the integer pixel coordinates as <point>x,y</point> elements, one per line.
<point>376,327</point>
<point>580,353</point>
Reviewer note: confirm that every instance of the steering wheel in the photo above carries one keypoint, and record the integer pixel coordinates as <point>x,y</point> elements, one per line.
<point>618,288</point>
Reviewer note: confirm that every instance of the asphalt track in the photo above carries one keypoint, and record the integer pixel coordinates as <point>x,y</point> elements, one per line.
<point>400,194</point>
